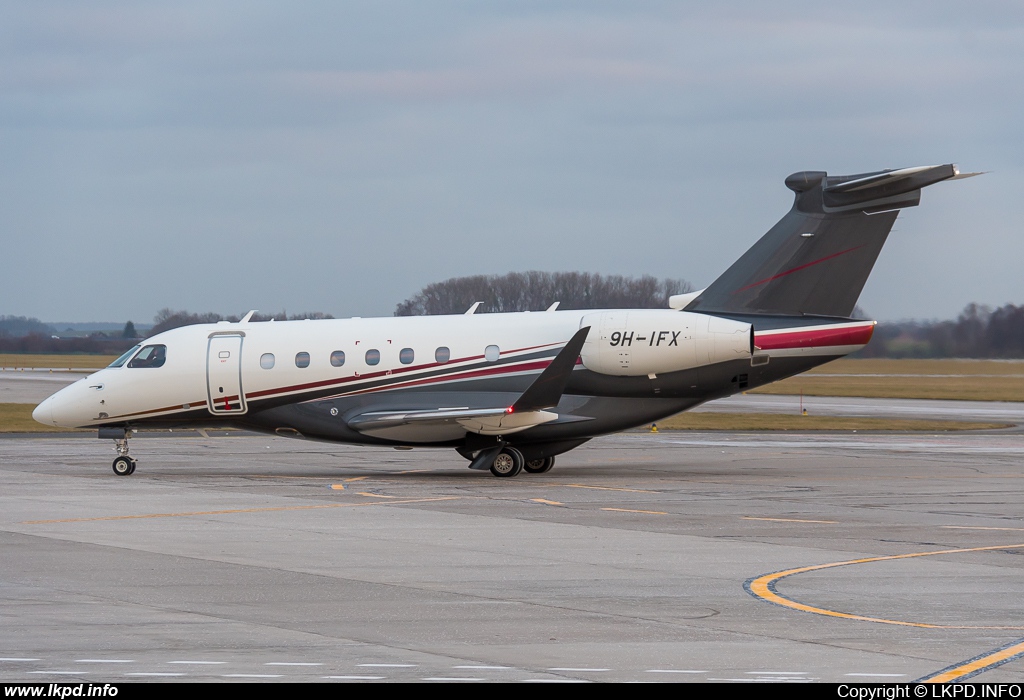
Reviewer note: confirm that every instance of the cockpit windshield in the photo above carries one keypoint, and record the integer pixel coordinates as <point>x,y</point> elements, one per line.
<point>150,356</point>
<point>124,358</point>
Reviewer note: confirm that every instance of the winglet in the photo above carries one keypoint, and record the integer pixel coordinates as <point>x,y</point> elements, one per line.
<point>248,316</point>
<point>473,308</point>
<point>546,391</point>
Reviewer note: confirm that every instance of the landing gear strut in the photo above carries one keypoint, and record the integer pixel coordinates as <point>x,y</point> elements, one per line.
<point>124,464</point>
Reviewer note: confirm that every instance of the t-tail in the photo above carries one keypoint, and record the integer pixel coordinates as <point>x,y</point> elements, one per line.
<point>816,260</point>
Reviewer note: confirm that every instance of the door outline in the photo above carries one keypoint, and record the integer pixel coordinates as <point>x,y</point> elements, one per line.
<point>228,370</point>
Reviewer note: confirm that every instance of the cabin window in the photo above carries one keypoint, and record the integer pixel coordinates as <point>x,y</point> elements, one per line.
<point>302,359</point>
<point>119,362</point>
<point>442,355</point>
<point>406,356</point>
<point>267,360</point>
<point>492,353</point>
<point>372,357</point>
<point>338,358</point>
<point>150,356</point>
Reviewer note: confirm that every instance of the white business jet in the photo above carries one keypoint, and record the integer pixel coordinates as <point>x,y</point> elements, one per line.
<point>509,392</point>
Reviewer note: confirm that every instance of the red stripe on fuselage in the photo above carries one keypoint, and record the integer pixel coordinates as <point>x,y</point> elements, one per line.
<point>458,376</point>
<point>815,337</point>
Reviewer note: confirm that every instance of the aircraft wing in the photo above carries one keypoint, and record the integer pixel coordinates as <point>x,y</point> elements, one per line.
<point>485,421</point>
<point>443,424</point>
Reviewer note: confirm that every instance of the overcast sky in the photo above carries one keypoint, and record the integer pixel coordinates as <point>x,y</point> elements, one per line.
<point>339,156</point>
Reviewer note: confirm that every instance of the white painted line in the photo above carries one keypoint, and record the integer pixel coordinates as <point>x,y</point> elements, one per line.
<point>199,663</point>
<point>387,665</point>
<point>580,670</point>
<point>11,658</point>
<point>290,663</point>
<point>487,668</point>
<point>672,670</point>
<point>104,661</point>
<point>452,679</point>
<point>877,675</point>
<point>154,674</point>
<point>252,675</point>
<point>776,673</point>
<point>356,678</point>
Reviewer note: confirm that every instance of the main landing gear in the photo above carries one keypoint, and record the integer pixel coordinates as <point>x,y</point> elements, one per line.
<point>510,462</point>
<point>124,464</point>
<point>539,466</point>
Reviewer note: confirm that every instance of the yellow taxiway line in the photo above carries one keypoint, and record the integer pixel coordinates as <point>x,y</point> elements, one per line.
<point>627,510</point>
<point>979,664</point>
<point>763,587</point>
<point>791,520</point>
<point>608,488</point>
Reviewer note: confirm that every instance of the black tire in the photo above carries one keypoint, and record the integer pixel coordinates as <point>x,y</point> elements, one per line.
<point>539,466</point>
<point>508,463</point>
<point>134,464</point>
<point>123,466</point>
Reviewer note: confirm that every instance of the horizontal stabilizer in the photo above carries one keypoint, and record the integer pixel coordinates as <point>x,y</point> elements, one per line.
<point>881,188</point>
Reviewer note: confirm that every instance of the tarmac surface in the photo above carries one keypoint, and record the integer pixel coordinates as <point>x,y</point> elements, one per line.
<point>640,557</point>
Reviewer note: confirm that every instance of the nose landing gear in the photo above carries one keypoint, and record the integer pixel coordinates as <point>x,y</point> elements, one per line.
<point>124,464</point>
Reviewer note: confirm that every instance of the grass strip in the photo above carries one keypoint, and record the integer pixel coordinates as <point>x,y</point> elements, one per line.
<point>920,367</point>
<point>17,418</point>
<point>29,361</point>
<point>954,388</point>
<point>784,421</point>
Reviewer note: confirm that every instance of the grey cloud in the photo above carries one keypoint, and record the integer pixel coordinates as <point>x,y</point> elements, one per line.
<point>341,155</point>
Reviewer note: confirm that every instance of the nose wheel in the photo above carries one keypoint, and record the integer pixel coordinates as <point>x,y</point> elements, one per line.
<point>124,464</point>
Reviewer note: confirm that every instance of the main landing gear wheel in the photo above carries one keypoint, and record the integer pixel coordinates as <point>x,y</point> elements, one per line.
<point>509,462</point>
<point>539,466</point>
<point>124,466</point>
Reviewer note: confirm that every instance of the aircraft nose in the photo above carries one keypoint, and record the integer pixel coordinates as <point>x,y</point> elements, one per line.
<point>43,413</point>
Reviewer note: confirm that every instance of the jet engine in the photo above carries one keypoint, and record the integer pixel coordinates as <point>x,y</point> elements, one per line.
<point>634,342</point>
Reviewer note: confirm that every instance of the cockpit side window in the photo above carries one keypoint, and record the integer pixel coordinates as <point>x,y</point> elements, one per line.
<point>150,356</point>
<point>124,358</point>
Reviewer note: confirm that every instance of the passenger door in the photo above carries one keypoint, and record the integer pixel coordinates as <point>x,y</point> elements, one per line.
<point>224,375</point>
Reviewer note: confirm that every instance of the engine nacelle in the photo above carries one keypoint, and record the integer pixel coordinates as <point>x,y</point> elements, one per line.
<point>637,342</point>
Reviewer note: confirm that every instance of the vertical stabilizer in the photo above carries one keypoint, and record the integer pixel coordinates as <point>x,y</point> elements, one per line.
<point>818,257</point>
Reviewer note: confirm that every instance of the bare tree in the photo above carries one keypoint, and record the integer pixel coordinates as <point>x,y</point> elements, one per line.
<point>535,291</point>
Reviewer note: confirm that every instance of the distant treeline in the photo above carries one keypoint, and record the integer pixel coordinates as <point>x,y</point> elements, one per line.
<point>536,291</point>
<point>166,319</point>
<point>19,334</point>
<point>36,343</point>
<point>978,332</point>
